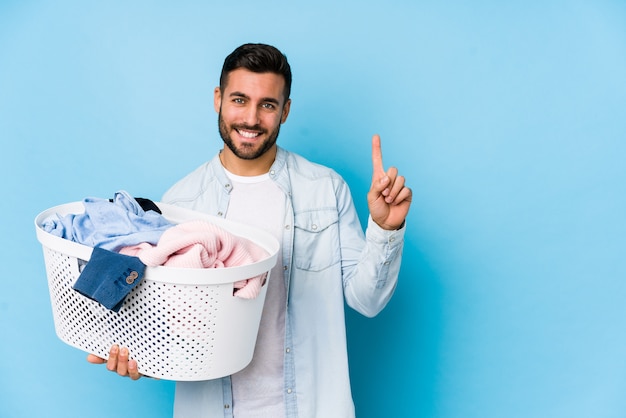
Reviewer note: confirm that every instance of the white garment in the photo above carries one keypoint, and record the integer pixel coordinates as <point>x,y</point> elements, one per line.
<point>258,389</point>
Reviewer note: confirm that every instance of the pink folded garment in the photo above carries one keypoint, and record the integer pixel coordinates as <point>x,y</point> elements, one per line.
<point>201,244</point>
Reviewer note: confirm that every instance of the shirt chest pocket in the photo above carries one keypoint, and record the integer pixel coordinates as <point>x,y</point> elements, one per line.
<point>316,240</point>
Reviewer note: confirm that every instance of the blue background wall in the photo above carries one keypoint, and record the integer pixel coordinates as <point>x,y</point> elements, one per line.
<point>507,119</point>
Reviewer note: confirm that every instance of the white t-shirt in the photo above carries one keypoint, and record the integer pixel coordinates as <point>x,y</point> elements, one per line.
<point>258,389</point>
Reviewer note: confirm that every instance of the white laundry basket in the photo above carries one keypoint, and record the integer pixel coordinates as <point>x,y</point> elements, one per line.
<point>179,324</point>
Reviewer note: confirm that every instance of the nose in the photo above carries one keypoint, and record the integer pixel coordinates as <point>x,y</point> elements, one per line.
<point>251,116</point>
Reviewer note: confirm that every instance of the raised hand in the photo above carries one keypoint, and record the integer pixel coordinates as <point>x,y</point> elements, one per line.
<point>388,198</point>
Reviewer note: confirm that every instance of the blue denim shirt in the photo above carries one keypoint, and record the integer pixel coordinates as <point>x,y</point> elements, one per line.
<point>327,259</point>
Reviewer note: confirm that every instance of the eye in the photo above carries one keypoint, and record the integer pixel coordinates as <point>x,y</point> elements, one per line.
<point>268,106</point>
<point>238,100</point>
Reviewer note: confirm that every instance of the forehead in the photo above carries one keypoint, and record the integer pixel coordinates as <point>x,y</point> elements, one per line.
<point>254,85</point>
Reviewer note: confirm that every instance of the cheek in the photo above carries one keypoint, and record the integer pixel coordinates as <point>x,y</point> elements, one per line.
<point>272,121</point>
<point>230,115</point>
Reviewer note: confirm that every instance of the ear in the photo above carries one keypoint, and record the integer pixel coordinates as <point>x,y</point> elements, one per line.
<point>286,109</point>
<point>217,99</point>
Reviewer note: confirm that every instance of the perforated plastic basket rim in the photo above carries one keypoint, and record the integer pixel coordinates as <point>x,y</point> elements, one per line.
<point>175,214</point>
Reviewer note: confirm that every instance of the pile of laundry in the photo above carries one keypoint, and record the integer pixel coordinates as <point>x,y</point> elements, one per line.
<point>127,234</point>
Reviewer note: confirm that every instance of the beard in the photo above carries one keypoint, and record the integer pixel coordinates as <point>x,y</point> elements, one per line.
<point>247,151</point>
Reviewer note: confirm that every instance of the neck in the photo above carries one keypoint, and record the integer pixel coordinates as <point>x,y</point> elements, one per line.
<point>241,167</point>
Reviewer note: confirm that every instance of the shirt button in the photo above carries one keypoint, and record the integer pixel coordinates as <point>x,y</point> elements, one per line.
<point>272,172</point>
<point>314,227</point>
<point>392,239</point>
<point>285,268</point>
<point>289,390</point>
<point>287,227</point>
<point>288,350</point>
<point>131,277</point>
<point>219,213</point>
<point>226,406</point>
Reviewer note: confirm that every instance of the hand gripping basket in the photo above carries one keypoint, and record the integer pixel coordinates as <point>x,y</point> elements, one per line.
<point>179,324</point>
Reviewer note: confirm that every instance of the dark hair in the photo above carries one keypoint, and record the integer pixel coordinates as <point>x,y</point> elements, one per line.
<point>258,58</point>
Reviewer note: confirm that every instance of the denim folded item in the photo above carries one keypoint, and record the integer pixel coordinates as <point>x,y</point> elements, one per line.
<point>108,277</point>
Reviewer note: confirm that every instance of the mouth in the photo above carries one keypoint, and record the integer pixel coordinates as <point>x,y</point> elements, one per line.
<point>248,134</point>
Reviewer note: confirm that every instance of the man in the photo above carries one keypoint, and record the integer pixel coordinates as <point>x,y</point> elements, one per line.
<point>300,366</point>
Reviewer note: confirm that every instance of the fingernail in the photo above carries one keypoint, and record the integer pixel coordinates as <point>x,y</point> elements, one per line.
<point>124,352</point>
<point>114,349</point>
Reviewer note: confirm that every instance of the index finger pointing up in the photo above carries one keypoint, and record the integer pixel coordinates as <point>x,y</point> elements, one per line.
<point>377,156</point>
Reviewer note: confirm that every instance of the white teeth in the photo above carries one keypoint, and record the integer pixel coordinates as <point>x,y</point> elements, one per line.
<point>248,134</point>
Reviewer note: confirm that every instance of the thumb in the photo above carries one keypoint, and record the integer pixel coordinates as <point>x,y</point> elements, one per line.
<point>92,358</point>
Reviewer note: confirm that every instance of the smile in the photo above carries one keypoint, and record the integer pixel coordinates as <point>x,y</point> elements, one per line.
<point>248,134</point>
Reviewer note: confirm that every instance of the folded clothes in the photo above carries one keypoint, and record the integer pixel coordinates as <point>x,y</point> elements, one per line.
<point>109,277</point>
<point>201,244</point>
<point>110,225</point>
<point>128,234</point>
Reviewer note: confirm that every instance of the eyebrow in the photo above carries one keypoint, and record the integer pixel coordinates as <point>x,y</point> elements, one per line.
<point>245,96</point>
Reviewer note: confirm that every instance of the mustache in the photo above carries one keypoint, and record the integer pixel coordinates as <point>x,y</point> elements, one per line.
<point>249,127</point>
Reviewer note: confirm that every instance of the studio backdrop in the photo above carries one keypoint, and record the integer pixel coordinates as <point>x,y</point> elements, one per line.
<point>508,120</point>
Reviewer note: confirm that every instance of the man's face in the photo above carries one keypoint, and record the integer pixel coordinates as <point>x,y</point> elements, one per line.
<point>251,109</point>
